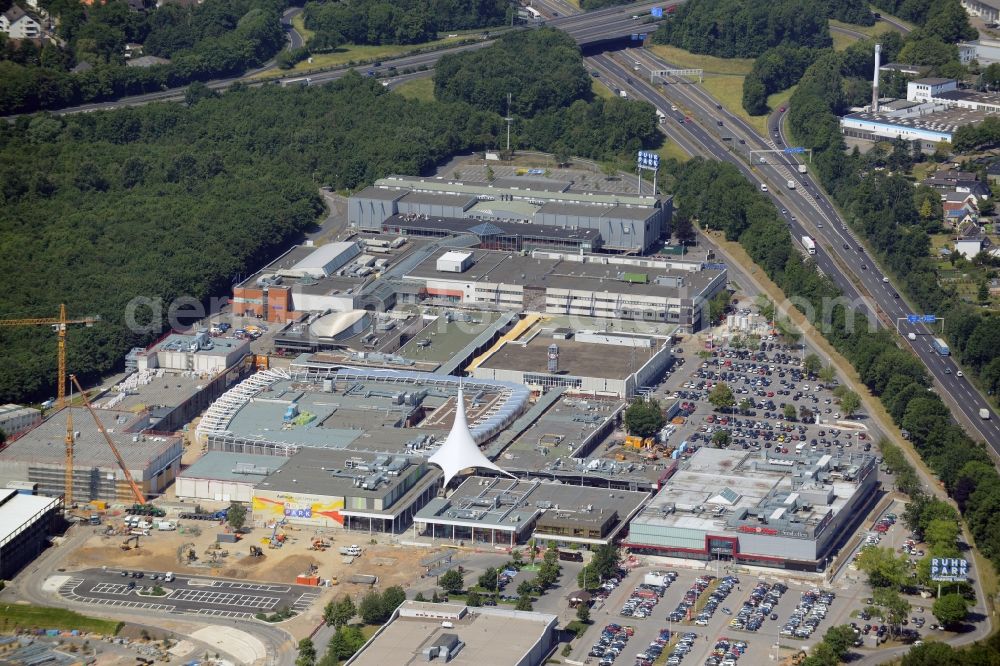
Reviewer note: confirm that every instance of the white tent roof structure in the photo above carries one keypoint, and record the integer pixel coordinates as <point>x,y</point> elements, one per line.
<point>460,450</point>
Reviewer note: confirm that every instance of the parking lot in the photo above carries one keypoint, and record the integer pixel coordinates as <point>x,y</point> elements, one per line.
<point>704,636</point>
<point>777,403</point>
<point>184,594</point>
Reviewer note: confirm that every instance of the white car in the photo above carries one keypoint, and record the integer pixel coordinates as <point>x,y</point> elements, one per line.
<point>959,374</point>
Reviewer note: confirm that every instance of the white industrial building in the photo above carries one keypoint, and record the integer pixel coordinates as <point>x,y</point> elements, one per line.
<point>987,10</point>
<point>15,419</point>
<point>225,477</point>
<point>573,284</point>
<point>200,353</point>
<point>26,523</point>
<point>789,511</point>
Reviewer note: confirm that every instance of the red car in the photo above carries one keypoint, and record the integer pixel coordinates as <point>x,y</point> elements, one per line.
<point>781,109</point>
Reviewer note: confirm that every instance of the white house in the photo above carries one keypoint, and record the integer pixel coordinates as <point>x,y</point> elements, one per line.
<point>18,24</point>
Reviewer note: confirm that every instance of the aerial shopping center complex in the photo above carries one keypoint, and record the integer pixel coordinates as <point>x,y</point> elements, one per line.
<point>455,369</point>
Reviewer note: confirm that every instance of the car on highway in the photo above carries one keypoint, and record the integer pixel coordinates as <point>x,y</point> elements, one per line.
<point>959,374</point>
<point>781,109</point>
<point>864,267</point>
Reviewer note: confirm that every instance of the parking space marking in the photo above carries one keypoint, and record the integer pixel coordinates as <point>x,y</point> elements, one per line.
<point>253,587</point>
<point>222,599</point>
<point>222,613</point>
<point>111,588</point>
<point>304,601</point>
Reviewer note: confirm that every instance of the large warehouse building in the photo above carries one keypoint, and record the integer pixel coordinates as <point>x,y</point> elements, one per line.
<point>625,222</point>
<point>787,511</point>
<point>26,523</point>
<point>38,456</point>
<point>586,285</point>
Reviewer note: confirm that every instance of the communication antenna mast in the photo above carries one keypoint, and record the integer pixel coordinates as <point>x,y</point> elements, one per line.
<point>509,120</point>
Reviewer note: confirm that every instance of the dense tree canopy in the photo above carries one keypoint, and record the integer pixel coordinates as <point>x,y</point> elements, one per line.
<point>541,69</point>
<point>747,28</point>
<point>164,201</point>
<point>211,39</point>
<point>405,22</point>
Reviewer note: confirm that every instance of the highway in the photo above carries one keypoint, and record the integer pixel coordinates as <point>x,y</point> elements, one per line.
<point>808,212</point>
<point>589,28</point>
<point>839,257</point>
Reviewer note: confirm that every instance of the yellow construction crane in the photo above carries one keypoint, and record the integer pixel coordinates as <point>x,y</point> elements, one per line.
<point>59,325</point>
<point>136,491</point>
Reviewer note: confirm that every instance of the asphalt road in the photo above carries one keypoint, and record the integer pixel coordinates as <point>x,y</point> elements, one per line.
<point>863,282</point>
<point>295,40</point>
<point>591,27</point>
<point>187,594</point>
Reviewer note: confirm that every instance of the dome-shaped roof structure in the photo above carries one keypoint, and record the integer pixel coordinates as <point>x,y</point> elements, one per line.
<point>337,324</point>
<point>460,450</point>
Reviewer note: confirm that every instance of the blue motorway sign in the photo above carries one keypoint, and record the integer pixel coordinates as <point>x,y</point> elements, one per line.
<point>657,12</point>
<point>949,569</point>
<point>648,159</point>
<point>795,150</point>
<point>913,319</point>
<point>929,319</point>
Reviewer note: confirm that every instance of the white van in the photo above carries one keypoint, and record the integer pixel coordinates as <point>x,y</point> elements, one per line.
<point>168,577</point>
<point>911,336</point>
<point>763,187</point>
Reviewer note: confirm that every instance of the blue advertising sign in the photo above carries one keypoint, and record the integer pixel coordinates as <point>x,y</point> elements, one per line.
<point>913,319</point>
<point>648,159</point>
<point>657,12</point>
<point>949,569</point>
<point>929,319</point>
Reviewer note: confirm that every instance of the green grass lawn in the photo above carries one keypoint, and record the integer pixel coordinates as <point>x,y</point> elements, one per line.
<point>358,53</point>
<point>601,90</point>
<point>711,64</point>
<point>670,149</point>
<point>870,30</point>
<point>728,90</point>
<point>422,89</point>
<point>299,23</point>
<point>841,41</point>
<point>19,616</point>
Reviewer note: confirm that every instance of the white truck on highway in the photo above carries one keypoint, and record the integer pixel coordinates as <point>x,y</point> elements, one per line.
<point>984,414</point>
<point>809,244</point>
<point>802,168</point>
<point>791,184</point>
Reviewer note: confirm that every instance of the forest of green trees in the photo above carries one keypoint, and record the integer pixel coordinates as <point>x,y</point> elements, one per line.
<point>212,39</point>
<point>170,200</point>
<point>550,90</point>
<point>405,22</point>
<point>163,201</point>
<point>747,28</point>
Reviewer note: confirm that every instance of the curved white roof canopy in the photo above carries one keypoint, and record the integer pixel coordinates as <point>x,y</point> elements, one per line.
<point>460,451</point>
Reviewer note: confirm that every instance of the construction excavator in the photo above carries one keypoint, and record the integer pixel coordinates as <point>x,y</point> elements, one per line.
<point>319,544</point>
<point>256,551</point>
<point>127,543</point>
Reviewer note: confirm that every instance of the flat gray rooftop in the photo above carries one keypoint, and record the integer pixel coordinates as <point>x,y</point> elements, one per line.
<point>166,389</point>
<point>446,337</point>
<point>511,268</point>
<point>45,444</point>
<point>948,120</point>
<point>491,636</point>
<point>466,187</point>
<point>508,504</point>
<point>242,467</point>
<point>325,472</point>
<point>285,261</point>
<point>577,359</point>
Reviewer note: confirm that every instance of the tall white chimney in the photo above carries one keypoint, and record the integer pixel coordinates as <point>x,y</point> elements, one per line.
<point>878,63</point>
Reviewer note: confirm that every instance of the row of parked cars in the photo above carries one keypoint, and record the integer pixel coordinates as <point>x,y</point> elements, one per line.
<point>806,617</point>
<point>690,598</point>
<point>612,642</point>
<point>758,607</point>
<point>718,595</point>
<point>726,652</point>
<point>655,649</point>
<point>643,600</point>
<point>681,648</point>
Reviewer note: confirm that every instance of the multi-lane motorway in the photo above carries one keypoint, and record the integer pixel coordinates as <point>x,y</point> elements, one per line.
<point>807,211</point>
